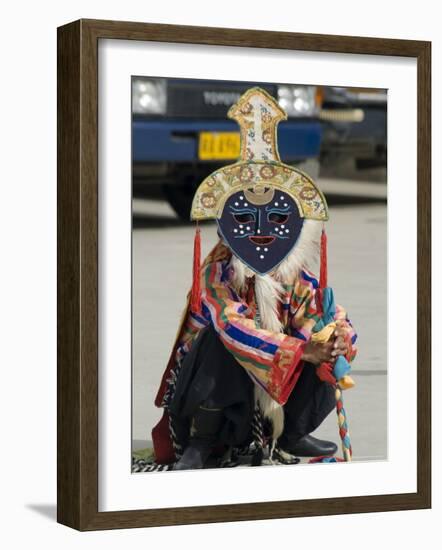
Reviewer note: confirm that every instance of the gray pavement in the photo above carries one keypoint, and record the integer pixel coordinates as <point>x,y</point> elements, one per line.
<point>162,264</point>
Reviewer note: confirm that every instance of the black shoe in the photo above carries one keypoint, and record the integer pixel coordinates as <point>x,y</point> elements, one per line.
<point>195,456</point>
<point>312,447</point>
<point>206,424</point>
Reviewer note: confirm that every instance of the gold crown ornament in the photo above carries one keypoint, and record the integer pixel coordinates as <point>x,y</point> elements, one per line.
<point>259,172</point>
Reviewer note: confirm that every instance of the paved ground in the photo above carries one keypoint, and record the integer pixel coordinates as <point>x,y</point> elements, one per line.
<point>162,263</point>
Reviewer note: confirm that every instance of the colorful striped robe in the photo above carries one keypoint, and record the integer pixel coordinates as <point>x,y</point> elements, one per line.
<point>272,360</point>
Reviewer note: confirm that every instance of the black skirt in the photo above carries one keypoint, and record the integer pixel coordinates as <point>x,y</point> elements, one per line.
<point>211,376</point>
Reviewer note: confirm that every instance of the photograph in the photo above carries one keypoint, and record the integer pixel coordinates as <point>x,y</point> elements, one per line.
<point>243,275</point>
<point>259,274</point>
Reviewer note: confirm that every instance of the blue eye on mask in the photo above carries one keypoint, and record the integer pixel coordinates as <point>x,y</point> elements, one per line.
<point>260,235</point>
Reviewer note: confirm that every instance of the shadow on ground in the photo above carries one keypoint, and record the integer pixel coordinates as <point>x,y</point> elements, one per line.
<point>48,511</point>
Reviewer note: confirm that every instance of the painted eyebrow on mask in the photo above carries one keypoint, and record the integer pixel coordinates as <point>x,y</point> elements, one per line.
<point>243,210</point>
<point>283,210</point>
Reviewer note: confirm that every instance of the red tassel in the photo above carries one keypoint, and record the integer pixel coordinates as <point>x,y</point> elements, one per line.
<point>323,270</point>
<point>195,297</point>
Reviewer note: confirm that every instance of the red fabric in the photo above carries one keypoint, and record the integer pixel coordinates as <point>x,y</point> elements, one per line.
<point>166,374</point>
<point>323,269</point>
<point>171,362</point>
<point>283,381</point>
<point>348,343</point>
<point>195,297</point>
<point>325,373</point>
<point>162,444</point>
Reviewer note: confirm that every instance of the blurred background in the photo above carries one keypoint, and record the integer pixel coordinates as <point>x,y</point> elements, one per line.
<point>338,135</point>
<point>181,134</point>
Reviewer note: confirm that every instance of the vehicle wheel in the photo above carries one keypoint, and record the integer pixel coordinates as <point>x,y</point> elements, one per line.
<point>180,196</point>
<point>378,161</point>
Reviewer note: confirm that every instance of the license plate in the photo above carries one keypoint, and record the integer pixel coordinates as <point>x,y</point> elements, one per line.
<point>218,145</point>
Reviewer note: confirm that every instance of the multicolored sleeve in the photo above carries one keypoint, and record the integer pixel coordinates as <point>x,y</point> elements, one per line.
<point>351,336</point>
<point>272,360</point>
<point>305,312</point>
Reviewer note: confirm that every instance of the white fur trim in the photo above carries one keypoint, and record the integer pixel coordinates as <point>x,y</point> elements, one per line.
<point>271,410</point>
<point>268,292</point>
<point>305,253</point>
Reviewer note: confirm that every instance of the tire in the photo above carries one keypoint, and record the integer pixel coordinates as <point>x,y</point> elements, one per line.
<point>377,161</point>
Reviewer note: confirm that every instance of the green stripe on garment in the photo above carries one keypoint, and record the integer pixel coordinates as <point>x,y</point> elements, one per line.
<point>313,316</point>
<point>215,297</point>
<point>254,363</point>
<point>240,358</point>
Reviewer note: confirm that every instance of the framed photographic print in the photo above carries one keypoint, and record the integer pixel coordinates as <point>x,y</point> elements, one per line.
<point>243,275</point>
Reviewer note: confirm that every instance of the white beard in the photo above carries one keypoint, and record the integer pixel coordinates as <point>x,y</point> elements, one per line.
<point>268,292</point>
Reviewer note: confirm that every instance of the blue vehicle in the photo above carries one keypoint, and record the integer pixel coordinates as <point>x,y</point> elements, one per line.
<point>181,133</point>
<point>355,126</point>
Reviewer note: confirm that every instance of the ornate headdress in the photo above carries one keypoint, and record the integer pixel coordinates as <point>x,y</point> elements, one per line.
<point>259,170</point>
<point>259,203</point>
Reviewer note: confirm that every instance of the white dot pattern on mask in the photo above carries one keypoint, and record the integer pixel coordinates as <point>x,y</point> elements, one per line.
<point>266,249</point>
<point>235,230</point>
<point>258,248</point>
<point>262,257</point>
<point>287,231</point>
<point>248,228</point>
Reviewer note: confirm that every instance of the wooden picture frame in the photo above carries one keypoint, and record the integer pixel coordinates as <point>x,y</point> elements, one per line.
<point>78,273</point>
